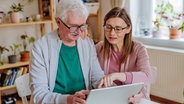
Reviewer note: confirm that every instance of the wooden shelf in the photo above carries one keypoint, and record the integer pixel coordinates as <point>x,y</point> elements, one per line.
<point>26,23</point>
<point>7,87</point>
<point>93,15</point>
<point>7,66</point>
<point>17,64</point>
<point>48,19</point>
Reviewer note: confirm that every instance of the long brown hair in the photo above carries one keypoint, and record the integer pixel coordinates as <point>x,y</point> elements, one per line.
<point>128,43</point>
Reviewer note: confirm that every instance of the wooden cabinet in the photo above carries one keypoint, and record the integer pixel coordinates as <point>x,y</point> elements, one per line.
<point>46,9</point>
<point>94,20</point>
<point>42,24</point>
<point>9,67</point>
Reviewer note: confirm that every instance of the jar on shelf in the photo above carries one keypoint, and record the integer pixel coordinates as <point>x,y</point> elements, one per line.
<point>2,16</point>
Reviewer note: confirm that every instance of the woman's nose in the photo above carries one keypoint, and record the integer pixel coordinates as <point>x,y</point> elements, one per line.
<point>113,31</point>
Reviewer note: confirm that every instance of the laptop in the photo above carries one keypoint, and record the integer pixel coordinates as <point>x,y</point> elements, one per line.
<point>113,95</point>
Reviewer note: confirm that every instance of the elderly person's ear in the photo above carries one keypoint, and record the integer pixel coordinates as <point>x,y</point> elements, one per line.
<point>57,21</point>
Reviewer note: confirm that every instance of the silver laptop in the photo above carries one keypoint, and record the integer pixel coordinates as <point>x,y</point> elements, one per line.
<point>113,95</point>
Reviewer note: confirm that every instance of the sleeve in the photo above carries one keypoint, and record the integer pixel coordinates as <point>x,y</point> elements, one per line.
<point>143,70</point>
<point>41,93</point>
<point>143,66</point>
<point>96,71</point>
<point>98,47</point>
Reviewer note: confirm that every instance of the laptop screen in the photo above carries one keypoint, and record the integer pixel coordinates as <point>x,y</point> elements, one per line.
<point>113,95</point>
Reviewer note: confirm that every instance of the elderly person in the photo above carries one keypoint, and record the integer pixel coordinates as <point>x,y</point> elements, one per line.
<point>64,66</point>
<point>123,60</point>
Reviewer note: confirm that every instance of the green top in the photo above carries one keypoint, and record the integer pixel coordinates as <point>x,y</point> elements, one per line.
<point>69,78</point>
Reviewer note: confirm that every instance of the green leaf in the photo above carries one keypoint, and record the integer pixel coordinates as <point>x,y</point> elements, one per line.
<point>16,8</point>
<point>31,40</point>
<point>182,27</point>
<point>2,49</point>
<point>14,48</point>
<point>26,40</point>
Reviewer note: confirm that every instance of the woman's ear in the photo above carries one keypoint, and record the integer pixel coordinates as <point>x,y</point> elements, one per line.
<point>128,29</point>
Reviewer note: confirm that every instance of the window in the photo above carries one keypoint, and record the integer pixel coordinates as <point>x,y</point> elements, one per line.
<point>167,15</point>
<point>143,14</point>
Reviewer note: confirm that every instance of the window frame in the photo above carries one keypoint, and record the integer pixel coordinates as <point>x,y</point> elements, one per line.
<point>148,40</point>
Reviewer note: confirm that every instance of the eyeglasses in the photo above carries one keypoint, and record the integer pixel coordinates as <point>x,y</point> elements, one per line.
<point>73,29</point>
<point>117,29</point>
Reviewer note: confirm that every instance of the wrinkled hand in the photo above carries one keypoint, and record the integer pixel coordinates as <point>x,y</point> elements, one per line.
<point>136,98</point>
<point>79,97</point>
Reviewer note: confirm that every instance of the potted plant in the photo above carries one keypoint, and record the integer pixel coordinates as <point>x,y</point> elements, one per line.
<point>157,32</point>
<point>175,32</point>
<point>26,40</point>
<point>14,12</point>
<point>13,57</point>
<point>159,22</point>
<point>182,27</point>
<point>2,49</point>
<point>172,19</point>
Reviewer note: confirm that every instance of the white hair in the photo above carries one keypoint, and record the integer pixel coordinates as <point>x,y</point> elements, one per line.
<point>75,6</point>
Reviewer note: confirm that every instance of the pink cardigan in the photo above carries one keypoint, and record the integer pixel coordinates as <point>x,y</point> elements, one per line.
<point>136,68</point>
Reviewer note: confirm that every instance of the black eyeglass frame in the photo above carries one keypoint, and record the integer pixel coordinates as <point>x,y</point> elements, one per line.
<point>115,28</point>
<point>77,27</point>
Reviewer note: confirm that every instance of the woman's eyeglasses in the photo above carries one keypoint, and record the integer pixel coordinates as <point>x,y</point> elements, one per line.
<point>117,29</point>
<point>73,29</point>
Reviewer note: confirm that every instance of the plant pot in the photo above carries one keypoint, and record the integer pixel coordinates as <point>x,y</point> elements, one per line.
<point>2,16</point>
<point>1,60</point>
<point>12,59</point>
<point>24,56</point>
<point>157,34</point>
<point>174,33</point>
<point>15,17</point>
